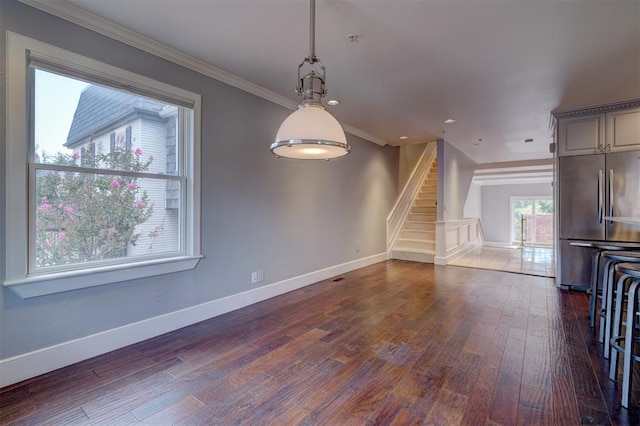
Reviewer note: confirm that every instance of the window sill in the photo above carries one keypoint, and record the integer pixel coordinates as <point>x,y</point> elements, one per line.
<point>40,285</point>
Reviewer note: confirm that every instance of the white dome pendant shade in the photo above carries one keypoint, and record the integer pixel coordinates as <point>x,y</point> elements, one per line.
<point>310,133</point>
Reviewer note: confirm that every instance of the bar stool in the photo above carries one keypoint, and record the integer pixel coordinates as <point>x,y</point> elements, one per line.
<point>596,291</point>
<point>625,344</point>
<point>612,259</point>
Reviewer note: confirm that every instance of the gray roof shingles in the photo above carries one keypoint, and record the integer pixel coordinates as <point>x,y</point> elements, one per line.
<point>101,107</point>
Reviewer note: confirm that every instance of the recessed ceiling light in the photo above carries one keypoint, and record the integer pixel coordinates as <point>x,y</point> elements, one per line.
<point>333,102</point>
<point>528,140</point>
<point>403,138</point>
<point>449,121</point>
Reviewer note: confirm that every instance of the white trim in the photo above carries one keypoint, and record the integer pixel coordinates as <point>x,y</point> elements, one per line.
<point>455,254</point>
<point>456,237</point>
<point>32,364</point>
<point>76,15</point>
<point>40,285</point>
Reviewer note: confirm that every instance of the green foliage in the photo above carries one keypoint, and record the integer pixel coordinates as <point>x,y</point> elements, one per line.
<point>84,217</point>
<point>544,207</point>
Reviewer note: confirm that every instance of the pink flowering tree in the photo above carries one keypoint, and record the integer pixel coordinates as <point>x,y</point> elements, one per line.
<point>84,217</point>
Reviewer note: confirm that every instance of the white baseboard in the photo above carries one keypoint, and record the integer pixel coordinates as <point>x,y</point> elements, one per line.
<point>455,253</point>
<point>35,363</point>
<point>414,256</point>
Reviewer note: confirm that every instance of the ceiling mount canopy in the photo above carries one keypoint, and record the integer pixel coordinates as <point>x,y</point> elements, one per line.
<point>311,132</point>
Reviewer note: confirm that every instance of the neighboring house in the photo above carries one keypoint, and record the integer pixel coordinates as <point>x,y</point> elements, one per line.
<point>106,120</point>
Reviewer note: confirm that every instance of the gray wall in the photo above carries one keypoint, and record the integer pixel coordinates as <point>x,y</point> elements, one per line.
<point>455,173</point>
<point>408,158</point>
<point>495,207</point>
<point>286,217</point>
<point>473,204</point>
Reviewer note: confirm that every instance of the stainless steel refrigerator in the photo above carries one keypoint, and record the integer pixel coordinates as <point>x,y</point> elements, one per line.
<point>591,187</point>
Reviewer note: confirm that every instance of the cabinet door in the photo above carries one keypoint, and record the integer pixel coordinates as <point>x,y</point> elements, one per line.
<point>623,130</point>
<point>581,135</point>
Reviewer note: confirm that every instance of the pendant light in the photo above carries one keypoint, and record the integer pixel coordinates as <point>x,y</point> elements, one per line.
<point>311,132</point>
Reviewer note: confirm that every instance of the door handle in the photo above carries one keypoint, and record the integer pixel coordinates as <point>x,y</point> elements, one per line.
<point>611,197</point>
<point>600,195</point>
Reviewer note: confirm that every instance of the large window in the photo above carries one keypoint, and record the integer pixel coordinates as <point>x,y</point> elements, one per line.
<point>102,179</point>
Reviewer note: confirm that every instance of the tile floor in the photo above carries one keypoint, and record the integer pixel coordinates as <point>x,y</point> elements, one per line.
<point>523,260</point>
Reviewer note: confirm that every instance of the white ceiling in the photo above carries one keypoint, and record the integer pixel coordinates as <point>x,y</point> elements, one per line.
<point>499,67</point>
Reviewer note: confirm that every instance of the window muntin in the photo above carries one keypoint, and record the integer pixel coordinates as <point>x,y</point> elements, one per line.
<point>28,168</point>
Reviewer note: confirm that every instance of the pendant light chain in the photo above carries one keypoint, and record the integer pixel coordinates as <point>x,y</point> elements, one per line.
<point>312,33</point>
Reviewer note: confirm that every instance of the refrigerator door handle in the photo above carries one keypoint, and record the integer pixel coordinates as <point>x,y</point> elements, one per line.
<point>611,197</point>
<point>600,195</point>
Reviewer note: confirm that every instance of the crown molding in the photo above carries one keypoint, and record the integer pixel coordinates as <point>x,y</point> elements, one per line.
<point>361,134</point>
<point>597,109</point>
<point>81,17</point>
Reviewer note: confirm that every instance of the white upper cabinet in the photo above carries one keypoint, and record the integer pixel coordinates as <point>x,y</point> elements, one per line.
<point>581,135</point>
<point>623,130</point>
<point>609,128</point>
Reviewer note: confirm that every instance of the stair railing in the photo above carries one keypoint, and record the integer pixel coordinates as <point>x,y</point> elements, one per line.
<point>405,200</point>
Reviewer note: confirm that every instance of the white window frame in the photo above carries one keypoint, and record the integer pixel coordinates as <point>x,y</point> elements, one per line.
<point>18,278</point>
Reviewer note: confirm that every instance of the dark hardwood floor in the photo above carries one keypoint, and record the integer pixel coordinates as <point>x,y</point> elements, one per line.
<point>394,343</point>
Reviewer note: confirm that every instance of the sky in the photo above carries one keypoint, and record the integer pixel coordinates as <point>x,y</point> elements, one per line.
<point>55,103</point>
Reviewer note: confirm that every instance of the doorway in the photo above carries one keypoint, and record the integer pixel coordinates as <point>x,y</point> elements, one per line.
<point>532,221</point>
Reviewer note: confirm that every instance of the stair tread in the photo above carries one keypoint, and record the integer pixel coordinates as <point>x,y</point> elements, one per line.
<point>417,234</point>
<point>414,240</point>
<point>422,231</point>
<point>416,250</point>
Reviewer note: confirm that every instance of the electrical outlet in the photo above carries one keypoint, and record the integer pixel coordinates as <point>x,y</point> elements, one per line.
<point>260,275</point>
<point>357,247</point>
<point>254,277</point>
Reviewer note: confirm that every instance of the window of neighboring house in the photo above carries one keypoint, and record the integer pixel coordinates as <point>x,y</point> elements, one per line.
<point>92,206</point>
<point>87,154</point>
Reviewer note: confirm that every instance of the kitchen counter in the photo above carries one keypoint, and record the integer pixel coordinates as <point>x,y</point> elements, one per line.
<point>629,220</point>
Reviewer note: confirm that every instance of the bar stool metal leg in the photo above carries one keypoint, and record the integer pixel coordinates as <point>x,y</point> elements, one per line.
<point>612,259</point>
<point>595,268</point>
<point>629,343</point>
<point>607,299</point>
<point>617,327</point>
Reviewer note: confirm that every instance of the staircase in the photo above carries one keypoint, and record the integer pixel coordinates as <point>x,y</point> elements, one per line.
<point>417,238</point>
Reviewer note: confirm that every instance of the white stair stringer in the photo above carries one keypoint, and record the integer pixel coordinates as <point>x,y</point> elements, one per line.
<point>417,237</point>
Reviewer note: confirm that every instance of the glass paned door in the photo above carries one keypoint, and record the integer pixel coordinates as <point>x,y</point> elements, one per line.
<point>532,221</point>
<point>543,222</point>
<point>521,214</point>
